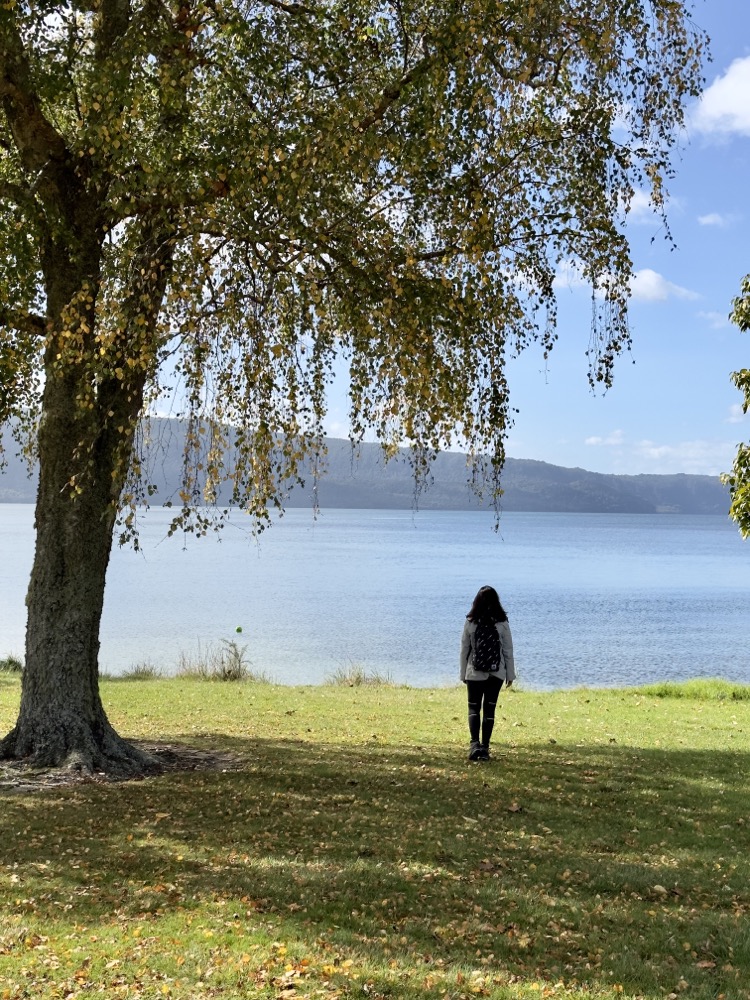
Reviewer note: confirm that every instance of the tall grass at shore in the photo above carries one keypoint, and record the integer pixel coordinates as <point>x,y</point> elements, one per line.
<point>358,675</point>
<point>11,665</point>
<point>226,662</point>
<point>347,849</point>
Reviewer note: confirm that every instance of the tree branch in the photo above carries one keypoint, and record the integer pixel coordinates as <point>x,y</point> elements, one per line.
<point>392,93</point>
<point>289,8</point>
<point>26,322</point>
<point>16,194</point>
<point>37,141</point>
<point>451,249</point>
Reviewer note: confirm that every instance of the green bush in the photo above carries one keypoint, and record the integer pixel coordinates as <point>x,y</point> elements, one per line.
<point>11,665</point>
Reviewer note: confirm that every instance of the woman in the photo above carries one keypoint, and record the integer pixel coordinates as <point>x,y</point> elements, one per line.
<point>486,662</point>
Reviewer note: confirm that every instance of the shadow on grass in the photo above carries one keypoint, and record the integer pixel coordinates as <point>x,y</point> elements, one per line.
<point>596,865</point>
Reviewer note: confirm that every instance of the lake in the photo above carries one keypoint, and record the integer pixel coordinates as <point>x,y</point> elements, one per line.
<point>593,599</point>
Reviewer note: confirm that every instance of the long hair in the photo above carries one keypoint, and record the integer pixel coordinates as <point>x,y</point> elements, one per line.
<point>487,607</point>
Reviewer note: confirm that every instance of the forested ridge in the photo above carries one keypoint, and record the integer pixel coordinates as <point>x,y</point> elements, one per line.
<point>358,477</point>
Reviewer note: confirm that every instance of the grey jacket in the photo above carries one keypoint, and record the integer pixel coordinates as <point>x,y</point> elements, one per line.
<point>507,670</point>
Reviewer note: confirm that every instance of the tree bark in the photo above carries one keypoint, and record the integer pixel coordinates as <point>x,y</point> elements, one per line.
<point>62,722</point>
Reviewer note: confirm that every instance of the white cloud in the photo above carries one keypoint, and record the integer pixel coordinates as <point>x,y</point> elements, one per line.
<point>650,286</point>
<point>700,458</point>
<point>714,219</point>
<point>724,108</point>
<point>736,414</point>
<point>716,320</point>
<point>641,210</point>
<point>645,285</point>
<point>641,203</point>
<point>569,276</point>
<point>614,439</point>
<point>337,428</point>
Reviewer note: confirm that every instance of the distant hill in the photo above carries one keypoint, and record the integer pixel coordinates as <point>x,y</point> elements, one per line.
<point>359,478</point>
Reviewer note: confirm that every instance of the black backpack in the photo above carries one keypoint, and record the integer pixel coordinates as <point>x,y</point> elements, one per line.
<point>488,653</point>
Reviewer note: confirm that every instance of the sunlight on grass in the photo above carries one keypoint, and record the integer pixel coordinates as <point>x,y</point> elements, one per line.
<point>700,689</point>
<point>354,852</point>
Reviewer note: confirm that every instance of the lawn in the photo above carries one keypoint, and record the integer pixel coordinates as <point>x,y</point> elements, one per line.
<point>350,850</point>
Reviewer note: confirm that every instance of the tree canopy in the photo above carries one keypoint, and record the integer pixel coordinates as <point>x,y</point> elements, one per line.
<point>739,479</point>
<point>268,184</point>
<point>208,202</point>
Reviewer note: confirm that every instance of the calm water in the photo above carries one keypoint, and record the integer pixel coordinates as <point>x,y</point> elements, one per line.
<point>593,599</point>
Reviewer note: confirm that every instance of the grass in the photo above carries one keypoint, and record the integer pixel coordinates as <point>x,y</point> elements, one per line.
<point>700,689</point>
<point>356,675</point>
<point>355,853</point>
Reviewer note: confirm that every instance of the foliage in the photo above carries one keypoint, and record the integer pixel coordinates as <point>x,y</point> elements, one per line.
<point>244,191</point>
<point>353,851</point>
<point>739,479</point>
<point>11,665</point>
<point>206,204</point>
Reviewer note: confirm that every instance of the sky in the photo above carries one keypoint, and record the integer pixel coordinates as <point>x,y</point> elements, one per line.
<point>673,407</point>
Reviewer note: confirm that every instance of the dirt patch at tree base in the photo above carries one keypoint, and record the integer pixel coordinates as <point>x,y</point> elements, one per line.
<point>21,778</point>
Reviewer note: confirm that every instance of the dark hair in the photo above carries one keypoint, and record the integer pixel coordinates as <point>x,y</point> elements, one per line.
<point>487,607</point>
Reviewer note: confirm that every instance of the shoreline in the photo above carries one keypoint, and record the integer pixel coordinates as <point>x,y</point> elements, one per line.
<point>713,687</point>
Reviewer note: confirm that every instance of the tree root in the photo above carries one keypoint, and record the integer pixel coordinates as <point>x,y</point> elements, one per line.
<point>22,777</point>
<point>85,752</point>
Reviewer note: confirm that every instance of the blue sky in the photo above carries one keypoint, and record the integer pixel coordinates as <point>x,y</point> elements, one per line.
<point>673,407</point>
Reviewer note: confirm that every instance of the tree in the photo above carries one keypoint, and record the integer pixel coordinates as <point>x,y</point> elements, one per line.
<point>739,478</point>
<point>212,200</point>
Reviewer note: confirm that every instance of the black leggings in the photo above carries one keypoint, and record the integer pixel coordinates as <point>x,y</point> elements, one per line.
<point>479,692</point>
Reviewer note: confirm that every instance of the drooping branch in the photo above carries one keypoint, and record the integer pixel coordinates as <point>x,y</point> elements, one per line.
<point>380,177</point>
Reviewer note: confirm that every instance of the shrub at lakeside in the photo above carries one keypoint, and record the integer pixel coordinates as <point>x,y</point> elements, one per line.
<point>348,849</point>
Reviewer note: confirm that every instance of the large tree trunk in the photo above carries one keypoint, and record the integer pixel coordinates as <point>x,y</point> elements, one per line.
<point>82,459</point>
<point>62,721</point>
<point>93,395</point>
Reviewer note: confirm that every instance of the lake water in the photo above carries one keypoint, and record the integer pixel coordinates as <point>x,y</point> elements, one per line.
<point>593,599</point>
